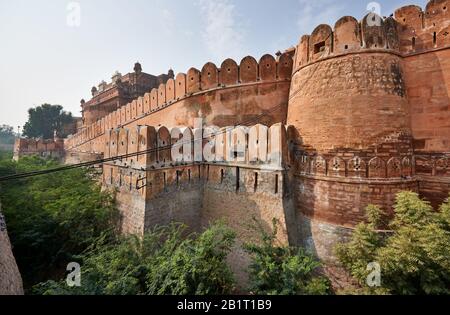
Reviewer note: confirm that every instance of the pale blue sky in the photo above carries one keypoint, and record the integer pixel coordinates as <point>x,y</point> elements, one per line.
<point>43,60</point>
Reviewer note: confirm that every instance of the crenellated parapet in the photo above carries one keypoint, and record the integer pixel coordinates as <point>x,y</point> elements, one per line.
<point>410,30</point>
<point>195,82</point>
<point>42,147</point>
<point>424,30</point>
<point>149,148</point>
<point>149,165</point>
<point>372,33</point>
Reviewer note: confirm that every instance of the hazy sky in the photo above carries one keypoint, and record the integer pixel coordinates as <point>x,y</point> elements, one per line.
<point>46,59</point>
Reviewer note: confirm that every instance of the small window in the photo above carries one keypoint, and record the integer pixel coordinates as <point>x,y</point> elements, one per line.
<point>434,38</point>
<point>276,183</point>
<point>238,175</point>
<point>319,47</point>
<point>413,43</point>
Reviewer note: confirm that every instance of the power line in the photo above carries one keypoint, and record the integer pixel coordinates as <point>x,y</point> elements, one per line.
<point>125,156</point>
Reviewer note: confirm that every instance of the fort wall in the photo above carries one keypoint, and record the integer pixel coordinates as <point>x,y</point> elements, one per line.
<point>368,115</point>
<point>368,112</point>
<point>52,148</point>
<point>222,97</point>
<point>156,188</point>
<point>10,278</point>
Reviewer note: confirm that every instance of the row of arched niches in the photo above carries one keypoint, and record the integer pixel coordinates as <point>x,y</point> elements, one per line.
<point>210,77</point>
<point>409,30</point>
<point>374,167</point>
<point>263,144</point>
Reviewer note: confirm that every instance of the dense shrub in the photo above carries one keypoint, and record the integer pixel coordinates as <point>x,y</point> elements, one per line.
<point>283,270</point>
<point>414,257</point>
<point>163,262</point>
<point>53,217</point>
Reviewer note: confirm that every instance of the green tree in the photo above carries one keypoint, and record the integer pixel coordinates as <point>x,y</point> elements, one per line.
<point>7,135</point>
<point>44,120</point>
<point>283,270</point>
<point>414,257</point>
<point>52,218</point>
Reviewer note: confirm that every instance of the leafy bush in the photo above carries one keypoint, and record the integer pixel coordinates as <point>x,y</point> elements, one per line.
<point>414,257</point>
<point>163,262</point>
<point>53,217</point>
<point>283,270</point>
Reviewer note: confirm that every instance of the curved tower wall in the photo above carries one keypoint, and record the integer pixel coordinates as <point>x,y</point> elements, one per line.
<point>351,129</point>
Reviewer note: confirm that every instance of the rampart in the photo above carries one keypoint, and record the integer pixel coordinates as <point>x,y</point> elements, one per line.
<point>369,116</point>
<point>10,278</point>
<point>367,109</point>
<point>162,176</point>
<point>51,148</point>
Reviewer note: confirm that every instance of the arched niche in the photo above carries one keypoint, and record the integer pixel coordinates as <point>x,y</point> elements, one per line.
<point>410,17</point>
<point>391,31</point>
<point>284,67</point>
<point>357,168</point>
<point>320,42</point>
<point>161,95</point>
<point>147,146</point>
<point>302,52</point>
<point>437,12</point>
<point>239,139</point>
<point>394,168</point>
<point>229,72</point>
<point>267,68</point>
<point>188,145</point>
<point>377,168</point>
<point>373,31</point>
<point>248,70</point>
<point>140,106</point>
<point>347,35</point>
<point>193,81</point>
<point>128,112</point>
<point>164,143</point>
<point>209,76</point>
<point>258,144</point>
<point>147,107</point>
<point>180,85</point>
<point>319,166</point>
<point>133,112</point>
<point>154,99</point>
<point>336,167</point>
<point>133,136</point>
<point>170,90</point>
<point>277,145</point>
<point>407,166</point>
<point>122,143</point>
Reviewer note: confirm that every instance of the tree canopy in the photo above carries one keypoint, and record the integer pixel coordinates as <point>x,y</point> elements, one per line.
<point>413,257</point>
<point>44,120</point>
<point>7,134</point>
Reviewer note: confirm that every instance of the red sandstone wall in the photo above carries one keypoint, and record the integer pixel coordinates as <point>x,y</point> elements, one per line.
<point>369,116</point>
<point>351,101</point>
<point>427,78</point>
<point>246,94</point>
<point>425,42</point>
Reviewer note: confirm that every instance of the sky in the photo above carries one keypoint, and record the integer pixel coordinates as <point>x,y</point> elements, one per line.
<point>54,51</point>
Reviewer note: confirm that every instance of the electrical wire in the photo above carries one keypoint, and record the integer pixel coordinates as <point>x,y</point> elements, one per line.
<point>125,156</point>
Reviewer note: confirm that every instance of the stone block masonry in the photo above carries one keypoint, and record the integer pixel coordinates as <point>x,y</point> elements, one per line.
<point>10,279</point>
<point>365,110</point>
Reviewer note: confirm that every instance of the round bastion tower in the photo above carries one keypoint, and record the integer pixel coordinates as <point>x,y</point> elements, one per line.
<point>350,129</point>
